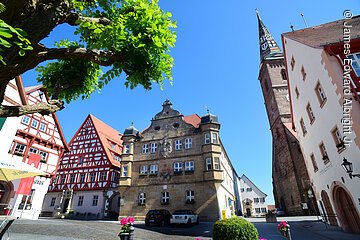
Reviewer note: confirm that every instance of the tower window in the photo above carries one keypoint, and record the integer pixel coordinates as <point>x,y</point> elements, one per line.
<point>207,138</point>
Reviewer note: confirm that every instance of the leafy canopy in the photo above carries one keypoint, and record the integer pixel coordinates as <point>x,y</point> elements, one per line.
<point>136,41</point>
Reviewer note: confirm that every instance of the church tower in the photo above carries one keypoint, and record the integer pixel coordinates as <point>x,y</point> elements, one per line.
<point>290,178</point>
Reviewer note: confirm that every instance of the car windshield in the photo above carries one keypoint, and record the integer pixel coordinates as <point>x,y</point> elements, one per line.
<point>178,212</point>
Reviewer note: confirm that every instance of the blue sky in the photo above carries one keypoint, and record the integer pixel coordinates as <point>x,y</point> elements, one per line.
<point>216,65</point>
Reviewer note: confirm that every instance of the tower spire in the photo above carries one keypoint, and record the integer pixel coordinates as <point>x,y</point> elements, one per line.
<point>268,47</point>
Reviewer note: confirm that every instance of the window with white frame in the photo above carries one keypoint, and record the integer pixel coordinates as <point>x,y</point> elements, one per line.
<point>188,143</point>
<point>303,127</point>
<point>178,144</point>
<point>338,139</point>
<point>19,148</point>
<point>72,178</point>
<point>143,169</point>
<point>165,197</point>
<point>153,147</point>
<point>263,210</point>
<point>43,155</point>
<point>207,138</point>
<point>257,210</point>
<point>82,177</point>
<point>190,196</point>
<point>217,163</point>
<point>127,149</point>
<point>310,113</point>
<point>62,179</point>
<point>124,172</point>
<point>92,176</point>
<point>33,150</point>
<point>52,202</point>
<point>153,169</point>
<point>178,167</point>
<point>42,127</point>
<point>314,164</point>
<point>80,200</point>
<point>142,198</point>
<point>355,63</point>
<point>95,200</point>
<point>103,176</point>
<point>320,94</point>
<point>25,120</point>
<point>256,200</point>
<point>34,123</point>
<point>242,189</point>
<point>145,148</point>
<point>189,166</point>
<point>214,138</point>
<point>208,164</point>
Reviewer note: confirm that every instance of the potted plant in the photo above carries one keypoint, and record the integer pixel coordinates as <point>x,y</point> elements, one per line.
<point>270,217</point>
<point>284,228</point>
<point>127,229</point>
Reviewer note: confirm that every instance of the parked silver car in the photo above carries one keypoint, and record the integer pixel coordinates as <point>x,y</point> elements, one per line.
<point>184,217</point>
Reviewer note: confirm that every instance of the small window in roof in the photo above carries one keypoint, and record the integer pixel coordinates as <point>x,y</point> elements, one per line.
<point>157,128</point>
<point>176,125</point>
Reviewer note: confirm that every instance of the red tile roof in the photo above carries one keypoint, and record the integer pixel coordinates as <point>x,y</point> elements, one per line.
<point>193,119</point>
<point>325,34</point>
<point>107,136</point>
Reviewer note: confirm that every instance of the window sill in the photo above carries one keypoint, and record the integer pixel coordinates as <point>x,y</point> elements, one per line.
<point>142,204</point>
<point>190,202</point>
<point>189,172</point>
<point>142,175</point>
<point>165,203</point>
<point>153,175</point>
<point>178,173</point>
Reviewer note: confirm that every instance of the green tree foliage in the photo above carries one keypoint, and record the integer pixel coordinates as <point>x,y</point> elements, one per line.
<point>136,40</point>
<point>234,229</point>
<point>130,37</point>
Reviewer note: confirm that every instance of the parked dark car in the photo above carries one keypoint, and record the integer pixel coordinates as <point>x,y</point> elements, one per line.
<point>159,217</point>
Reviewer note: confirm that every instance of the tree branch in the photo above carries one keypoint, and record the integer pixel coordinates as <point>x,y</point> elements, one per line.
<point>103,58</point>
<point>42,108</point>
<point>72,19</point>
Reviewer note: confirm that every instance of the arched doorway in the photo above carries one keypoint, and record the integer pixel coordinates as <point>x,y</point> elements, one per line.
<point>114,206</point>
<point>6,193</point>
<point>330,215</point>
<point>346,210</point>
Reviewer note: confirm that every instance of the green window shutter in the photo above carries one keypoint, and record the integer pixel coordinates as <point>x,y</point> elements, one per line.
<point>2,121</point>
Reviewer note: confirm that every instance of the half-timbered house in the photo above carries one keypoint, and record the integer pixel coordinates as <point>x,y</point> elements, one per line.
<point>88,174</point>
<point>38,141</point>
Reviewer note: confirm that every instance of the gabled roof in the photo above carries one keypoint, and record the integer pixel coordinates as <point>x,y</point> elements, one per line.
<point>107,135</point>
<point>193,119</point>
<point>31,89</point>
<point>246,179</point>
<point>326,34</point>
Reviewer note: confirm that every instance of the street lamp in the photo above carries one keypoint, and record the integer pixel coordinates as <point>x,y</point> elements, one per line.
<point>348,167</point>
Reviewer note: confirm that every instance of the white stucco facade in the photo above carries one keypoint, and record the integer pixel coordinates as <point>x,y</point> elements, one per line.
<point>326,173</point>
<point>253,199</point>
